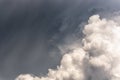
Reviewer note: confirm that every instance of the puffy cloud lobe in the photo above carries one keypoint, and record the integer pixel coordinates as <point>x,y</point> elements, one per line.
<point>102,45</point>
<point>97,59</point>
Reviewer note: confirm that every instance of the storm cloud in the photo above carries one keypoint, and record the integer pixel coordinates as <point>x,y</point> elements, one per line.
<point>34,35</point>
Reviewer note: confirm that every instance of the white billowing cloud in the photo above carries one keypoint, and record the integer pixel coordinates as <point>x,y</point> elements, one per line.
<point>97,59</point>
<point>102,45</point>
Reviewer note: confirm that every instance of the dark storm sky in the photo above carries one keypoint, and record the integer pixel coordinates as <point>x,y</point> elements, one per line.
<point>31,30</point>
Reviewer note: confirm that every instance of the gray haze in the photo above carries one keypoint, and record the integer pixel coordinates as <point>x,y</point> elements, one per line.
<point>32,31</point>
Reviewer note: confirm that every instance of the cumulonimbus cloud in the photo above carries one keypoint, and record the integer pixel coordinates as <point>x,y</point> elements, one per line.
<point>97,59</point>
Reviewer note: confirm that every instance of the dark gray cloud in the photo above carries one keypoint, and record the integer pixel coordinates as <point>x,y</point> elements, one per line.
<point>31,30</point>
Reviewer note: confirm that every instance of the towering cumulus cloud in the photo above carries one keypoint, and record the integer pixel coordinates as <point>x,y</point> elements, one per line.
<point>97,59</point>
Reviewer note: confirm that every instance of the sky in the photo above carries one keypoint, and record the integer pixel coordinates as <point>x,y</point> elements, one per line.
<point>35,34</point>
